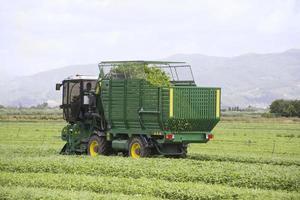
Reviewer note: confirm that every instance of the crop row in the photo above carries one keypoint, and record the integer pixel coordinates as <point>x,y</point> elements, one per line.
<point>138,186</point>
<point>230,173</point>
<point>38,193</point>
<point>26,150</point>
<point>244,159</point>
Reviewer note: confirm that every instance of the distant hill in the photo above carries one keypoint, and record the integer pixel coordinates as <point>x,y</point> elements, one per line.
<point>250,79</point>
<point>40,87</point>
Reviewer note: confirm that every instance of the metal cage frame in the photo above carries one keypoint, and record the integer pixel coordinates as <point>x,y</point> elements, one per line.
<point>172,66</point>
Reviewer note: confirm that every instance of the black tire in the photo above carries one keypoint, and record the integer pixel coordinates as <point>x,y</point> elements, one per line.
<point>102,147</point>
<point>142,152</point>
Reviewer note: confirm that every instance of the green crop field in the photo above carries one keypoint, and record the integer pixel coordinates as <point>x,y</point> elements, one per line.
<point>248,159</point>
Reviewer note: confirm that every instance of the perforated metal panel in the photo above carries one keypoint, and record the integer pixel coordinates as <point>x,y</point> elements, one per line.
<point>200,107</point>
<point>195,103</point>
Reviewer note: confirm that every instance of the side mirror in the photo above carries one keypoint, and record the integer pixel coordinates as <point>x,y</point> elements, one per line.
<point>58,85</point>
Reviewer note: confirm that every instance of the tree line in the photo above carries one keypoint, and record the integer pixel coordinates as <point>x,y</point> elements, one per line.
<point>285,108</point>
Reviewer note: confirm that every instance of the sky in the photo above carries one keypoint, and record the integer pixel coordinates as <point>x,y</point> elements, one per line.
<point>39,35</point>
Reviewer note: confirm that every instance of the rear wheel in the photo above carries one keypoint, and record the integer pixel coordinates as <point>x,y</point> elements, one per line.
<point>98,145</point>
<point>138,148</point>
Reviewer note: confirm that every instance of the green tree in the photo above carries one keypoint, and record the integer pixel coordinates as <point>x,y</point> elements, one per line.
<point>286,108</point>
<point>289,110</point>
<point>296,104</point>
<point>277,106</point>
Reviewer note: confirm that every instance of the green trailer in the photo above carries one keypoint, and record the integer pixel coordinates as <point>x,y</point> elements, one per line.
<point>138,108</point>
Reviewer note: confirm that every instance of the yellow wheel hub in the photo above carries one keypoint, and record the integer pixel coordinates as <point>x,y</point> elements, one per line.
<point>135,150</point>
<point>94,148</point>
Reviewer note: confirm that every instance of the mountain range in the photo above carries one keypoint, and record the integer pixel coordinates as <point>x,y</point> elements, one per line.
<point>249,79</point>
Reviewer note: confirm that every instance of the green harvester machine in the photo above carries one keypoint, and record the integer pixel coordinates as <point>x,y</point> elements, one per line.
<point>138,108</point>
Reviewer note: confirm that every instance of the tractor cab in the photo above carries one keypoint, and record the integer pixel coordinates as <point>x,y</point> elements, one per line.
<point>78,97</point>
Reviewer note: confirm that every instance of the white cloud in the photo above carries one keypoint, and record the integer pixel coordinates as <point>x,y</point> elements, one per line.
<point>281,18</point>
<point>46,34</point>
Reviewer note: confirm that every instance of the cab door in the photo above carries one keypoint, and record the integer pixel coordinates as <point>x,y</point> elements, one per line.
<point>71,100</point>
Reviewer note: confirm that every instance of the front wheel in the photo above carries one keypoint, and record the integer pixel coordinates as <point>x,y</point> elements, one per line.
<point>98,145</point>
<point>138,148</point>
